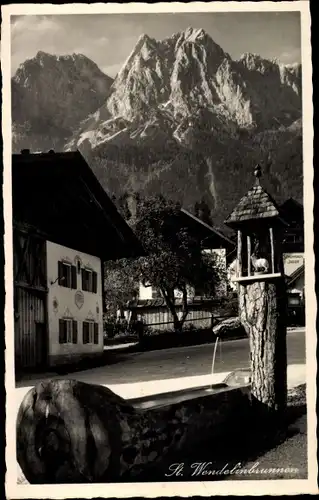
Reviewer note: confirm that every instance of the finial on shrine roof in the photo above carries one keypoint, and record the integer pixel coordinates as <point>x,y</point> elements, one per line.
<point>257,173</point>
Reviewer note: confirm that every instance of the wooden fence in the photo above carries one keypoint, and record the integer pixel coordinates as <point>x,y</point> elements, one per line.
<point>163,320</point>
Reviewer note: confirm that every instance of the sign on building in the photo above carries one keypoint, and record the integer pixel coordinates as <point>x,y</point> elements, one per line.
<point>292,262</point>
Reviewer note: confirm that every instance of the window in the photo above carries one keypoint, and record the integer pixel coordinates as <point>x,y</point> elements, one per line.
<point>293,238</point>
<point>294,300</point>
<point>90,332</point>
<point>67,275</point>
<point>89,281</point>
<point>68,331</point>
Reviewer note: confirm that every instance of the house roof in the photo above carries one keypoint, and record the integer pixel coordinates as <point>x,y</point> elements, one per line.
<point>207,232</point>
<point>293,211</point>
<point>59,196</point>
<point>256,205</point>
<point>292,203</point>
<point>296,274</point>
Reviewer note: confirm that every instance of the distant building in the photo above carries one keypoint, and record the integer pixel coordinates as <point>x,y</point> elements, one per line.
<point>294,261</point>
<point>64,227</point>
<point>293,241</point>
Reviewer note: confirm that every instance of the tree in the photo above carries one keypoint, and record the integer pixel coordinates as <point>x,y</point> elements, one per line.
<point>120,284</point>
<point>204,212</point>
<point>124,206</point>
<point>196,209</point>
<point>174,260</point>
<point>262,307</point>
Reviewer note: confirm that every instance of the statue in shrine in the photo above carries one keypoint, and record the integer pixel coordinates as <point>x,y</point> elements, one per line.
<point>260,264</point>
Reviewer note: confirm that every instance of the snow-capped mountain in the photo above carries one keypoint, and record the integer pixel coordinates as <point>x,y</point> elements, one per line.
<point>181,118</point>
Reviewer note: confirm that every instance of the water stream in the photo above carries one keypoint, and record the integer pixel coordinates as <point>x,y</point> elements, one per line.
<point>214,357</point>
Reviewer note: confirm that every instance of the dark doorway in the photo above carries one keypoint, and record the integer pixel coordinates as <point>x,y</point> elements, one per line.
<point>41,345</point>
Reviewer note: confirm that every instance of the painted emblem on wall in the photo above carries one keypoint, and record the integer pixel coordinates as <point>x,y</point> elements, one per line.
<point>90,316</point>
<point>79,299</point>
<point>55,304</point>
<point>67,313</point>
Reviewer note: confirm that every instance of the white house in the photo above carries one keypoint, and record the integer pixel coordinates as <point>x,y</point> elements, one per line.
<point>75,305</point>
<point>294,266</point>
<point>64,228</point>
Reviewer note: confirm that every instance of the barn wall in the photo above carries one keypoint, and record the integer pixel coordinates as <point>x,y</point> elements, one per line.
<point>30,310</point>
<point>30,327</point>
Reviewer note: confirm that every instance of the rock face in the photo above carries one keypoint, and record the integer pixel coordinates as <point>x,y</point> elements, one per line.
<point>51,95</point>
<point>169,88</point>
<point>181,118</point>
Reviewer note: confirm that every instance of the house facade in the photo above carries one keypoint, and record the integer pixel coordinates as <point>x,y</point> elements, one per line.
<point>294,260</point>
<point>63,222</point>
<point>75,305</point>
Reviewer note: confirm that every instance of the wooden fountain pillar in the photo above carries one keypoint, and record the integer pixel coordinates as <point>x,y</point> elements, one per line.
<point>262,294</point>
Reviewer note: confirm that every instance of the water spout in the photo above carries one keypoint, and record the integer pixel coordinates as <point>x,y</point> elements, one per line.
<point>214,357</point>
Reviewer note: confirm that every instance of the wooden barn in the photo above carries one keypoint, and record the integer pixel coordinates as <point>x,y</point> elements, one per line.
<point>64,227</point>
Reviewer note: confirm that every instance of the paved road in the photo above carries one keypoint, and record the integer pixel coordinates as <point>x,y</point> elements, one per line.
<point>182,362</point>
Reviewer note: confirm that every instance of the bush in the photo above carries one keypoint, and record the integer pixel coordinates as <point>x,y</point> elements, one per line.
<point>113,327</point>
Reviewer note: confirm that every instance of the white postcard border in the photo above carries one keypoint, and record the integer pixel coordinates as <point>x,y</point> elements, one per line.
<point>151,490</point>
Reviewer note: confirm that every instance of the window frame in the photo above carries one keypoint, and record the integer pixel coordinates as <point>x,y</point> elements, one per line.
<point>91,335</point>
<point>68,331</point>
<point>71,281</point>
<point>89,285</point>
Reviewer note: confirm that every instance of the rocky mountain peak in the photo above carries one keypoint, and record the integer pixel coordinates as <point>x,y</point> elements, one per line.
<point>179,116</point>
<point>254,62</point>
<point>193,34</point>
<point>52,94</point>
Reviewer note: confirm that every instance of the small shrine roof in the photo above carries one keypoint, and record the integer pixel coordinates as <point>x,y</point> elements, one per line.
<point>256,204</point>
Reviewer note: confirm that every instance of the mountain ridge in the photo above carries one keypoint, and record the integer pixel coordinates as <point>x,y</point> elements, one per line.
<point>51,95</point>
<point>180,117</point>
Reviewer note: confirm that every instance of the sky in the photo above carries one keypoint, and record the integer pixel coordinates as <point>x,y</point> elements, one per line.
<point>108,39</point>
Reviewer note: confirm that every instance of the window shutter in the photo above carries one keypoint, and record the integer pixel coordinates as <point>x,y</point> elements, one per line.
<point>83,280</point>
<point>75,332</point>
<point>60,273</point>
<point>96,333</point>
<point>84,332</point>
<point>61,331</point>
<point>73,277</point>
<point>94,279</point>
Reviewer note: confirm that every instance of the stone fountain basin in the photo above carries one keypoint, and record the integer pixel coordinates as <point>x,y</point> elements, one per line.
<point>162,427</point>
<point>237,379</point>
<point>169,398</point>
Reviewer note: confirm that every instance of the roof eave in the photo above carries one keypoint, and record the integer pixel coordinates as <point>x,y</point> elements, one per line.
<point>207,226</point>
<point>240,223</point>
